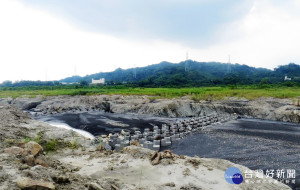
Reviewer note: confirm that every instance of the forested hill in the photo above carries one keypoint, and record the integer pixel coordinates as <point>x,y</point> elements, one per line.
<point>197,74</point>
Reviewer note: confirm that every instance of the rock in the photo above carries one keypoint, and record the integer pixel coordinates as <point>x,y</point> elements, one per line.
<point>30,184</point>
<point>34,148</point>
<point>41,173</point>
<point>137,152</point>
<point>30,105</point>
<point>186,172</point>
<point>135,143</point>
<point>21,144</point>
<point>29,160</point>
<point>190,186</point>
<point>61,179</point>
<point>157,159</point>
<point>23,167</point>
<point>14,150</point>
<point>114,187</point>
<point>41,160</point>
<point>170,155</point>
<point>153,155</point>
<point>170,184</point>
<point>194,161</point>
<point>94,186</point>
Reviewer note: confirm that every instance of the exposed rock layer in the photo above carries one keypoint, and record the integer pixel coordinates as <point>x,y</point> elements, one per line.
<point>263,108</point>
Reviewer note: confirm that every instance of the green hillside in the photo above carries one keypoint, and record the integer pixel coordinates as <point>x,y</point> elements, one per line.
<point>196,74</point>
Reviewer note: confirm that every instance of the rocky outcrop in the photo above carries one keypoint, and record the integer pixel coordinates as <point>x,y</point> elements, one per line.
<point>263,108</point>
<point>23,103</point>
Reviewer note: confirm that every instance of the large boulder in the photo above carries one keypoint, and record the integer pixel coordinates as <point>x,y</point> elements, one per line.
<point>14,150</point>
<point>33,147</point>
<point>30,184</point>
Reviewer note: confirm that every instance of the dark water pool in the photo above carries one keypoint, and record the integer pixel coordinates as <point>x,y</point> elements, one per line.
<point>98,123</point>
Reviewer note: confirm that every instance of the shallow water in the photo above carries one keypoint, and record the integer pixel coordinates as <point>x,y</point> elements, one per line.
<point>257,144</point>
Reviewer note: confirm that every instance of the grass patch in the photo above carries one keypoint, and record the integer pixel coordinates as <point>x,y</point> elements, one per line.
<point>196,93</point>
<point>51,145</point>
<point>74,144</point>
<point>27,139</point>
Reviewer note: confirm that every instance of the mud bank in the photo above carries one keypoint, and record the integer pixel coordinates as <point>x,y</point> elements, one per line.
<point>263,108</point>
<point>25,164</point>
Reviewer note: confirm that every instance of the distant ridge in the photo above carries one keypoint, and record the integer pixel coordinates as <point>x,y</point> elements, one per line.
<point>200,74</point>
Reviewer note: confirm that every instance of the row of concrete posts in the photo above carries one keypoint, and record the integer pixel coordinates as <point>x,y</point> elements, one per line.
<point>163,136</point>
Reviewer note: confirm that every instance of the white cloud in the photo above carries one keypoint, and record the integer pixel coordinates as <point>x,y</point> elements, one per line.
<point>267,37</point>
<point>32,40</point>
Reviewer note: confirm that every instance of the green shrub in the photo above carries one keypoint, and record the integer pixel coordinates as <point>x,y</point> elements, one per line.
<point>27,139</point>
<point>38,138</point>
<point>51,145</point>
<point>74,144</point>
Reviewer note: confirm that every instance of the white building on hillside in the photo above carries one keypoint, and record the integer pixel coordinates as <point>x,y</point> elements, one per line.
<point>286,78</point>
<point>100,81</point>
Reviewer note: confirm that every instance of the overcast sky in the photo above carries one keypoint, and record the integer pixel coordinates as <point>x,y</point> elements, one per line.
<point>54,39</point>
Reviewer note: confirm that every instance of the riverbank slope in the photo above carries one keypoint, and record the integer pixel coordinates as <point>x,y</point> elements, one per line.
<point>262,108</point>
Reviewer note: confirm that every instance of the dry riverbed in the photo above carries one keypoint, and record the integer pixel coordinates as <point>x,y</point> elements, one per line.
<point>63,159</point>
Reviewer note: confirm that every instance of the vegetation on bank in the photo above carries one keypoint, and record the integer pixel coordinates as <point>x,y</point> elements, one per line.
<point>184,74</point>
<point>199,80</point>
<point>192,73</point>
<point>286,90</point>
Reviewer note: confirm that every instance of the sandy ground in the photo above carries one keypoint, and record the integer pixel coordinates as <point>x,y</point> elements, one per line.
<point>132,167</point>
